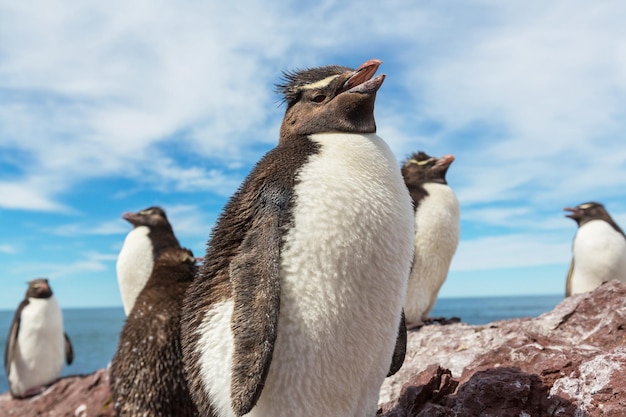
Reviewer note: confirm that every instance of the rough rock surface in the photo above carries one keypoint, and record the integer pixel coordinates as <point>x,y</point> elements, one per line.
<point>568,362</point>
<point>72,396</point>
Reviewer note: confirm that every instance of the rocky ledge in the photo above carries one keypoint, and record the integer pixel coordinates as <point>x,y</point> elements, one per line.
<point>568,362</point>
<point>72,396</point>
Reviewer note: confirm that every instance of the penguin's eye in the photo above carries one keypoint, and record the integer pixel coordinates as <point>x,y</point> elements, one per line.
<point>319,98</point>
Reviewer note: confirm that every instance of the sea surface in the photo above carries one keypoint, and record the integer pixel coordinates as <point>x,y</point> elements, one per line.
<point>94,332</point>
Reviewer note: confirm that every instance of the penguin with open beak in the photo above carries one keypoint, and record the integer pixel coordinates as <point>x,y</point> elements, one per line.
<point>297,307</point>
<point>598,250</point>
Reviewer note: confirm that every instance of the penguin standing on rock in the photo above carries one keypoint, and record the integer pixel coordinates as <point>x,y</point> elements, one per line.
<point>151,233</point>
<point>297,307</point>
<point>37,346</point>
<point>599,249</point>
<point>147,377</point>
<point>437,230</point>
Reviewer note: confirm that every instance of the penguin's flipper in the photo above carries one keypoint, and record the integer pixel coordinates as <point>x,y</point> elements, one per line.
<point>255,280</point>
<point>11,345</point>
<point>568,282</point>
<point>400,350</point>
<point>69,351</point>
<point>9,351</point>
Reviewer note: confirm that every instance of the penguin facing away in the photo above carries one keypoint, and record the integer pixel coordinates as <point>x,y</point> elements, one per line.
<point>437,231</point>
<point>297,307</point>
<point>147,377</point>
<point>151,233</point>
<point>37,345</point>
<point>598,250</point>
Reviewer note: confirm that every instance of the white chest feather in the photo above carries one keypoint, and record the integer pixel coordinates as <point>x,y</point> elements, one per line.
<point>437,231</point>
<point>599,256</point>
<point>345,263</point>
<point>40,350</point>
<point>134,265</point>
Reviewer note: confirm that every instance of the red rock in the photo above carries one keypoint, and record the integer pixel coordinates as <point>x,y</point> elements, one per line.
<point>72,396</point>
<point>568,362</point>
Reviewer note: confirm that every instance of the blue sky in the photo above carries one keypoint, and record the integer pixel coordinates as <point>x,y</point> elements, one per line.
<point>107,107</point>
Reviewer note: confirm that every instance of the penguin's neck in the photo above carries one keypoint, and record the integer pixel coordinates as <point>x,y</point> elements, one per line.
<point>138,240</point>
<point>599,239</point>
<point>353,151</point>
<point>162,238</point>
<point>441,197</point>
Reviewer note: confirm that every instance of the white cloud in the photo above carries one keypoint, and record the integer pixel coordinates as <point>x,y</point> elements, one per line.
<point>511,251</point>
<point>82,264</point>
<point>28,195</point>
<point>112,227</point>
<point>100,90</point>
<point>8,249</point>
<point>98,93</point>
<point>167,175</point>
<point>549,84</point>
<point>189,221</point>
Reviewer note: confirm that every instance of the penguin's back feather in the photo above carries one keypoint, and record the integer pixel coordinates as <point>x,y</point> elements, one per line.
<point>437,233</point>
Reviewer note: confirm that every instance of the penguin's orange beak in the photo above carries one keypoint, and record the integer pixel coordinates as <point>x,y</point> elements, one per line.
<point>361,80</point>
<point>131,218</point>
<point>574,211</point>
<point>444,161</point>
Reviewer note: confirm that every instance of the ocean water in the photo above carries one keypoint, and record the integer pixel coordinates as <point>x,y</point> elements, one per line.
<point>482,310</point>
<point>94,332</point>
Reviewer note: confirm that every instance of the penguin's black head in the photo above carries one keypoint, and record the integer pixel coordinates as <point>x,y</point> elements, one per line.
<point>330,99</point>
<point>586,212</point>
<point>420,168</point>
<point>151,217</point>
<point>38,288</point>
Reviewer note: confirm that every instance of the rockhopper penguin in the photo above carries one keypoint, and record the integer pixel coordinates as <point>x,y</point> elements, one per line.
<point>297,307</point>
<point>147,377</point>
<point>437,230</point>
<point>599,249</point>
<point>37,346</point>
<point>151,233</point>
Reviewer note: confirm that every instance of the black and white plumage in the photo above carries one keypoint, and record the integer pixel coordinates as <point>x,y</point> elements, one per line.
<point>37,346</point>
<point>297,308</point>
<point>152,232</point>
<point>147,377</point>
<point>598,250</point>
<point>437,231</point>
